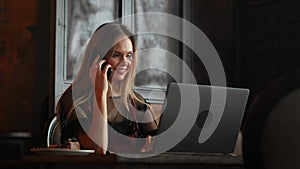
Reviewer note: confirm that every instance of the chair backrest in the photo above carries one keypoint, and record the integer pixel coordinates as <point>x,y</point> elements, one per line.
<point>53,133</point>
<point>270,138</point>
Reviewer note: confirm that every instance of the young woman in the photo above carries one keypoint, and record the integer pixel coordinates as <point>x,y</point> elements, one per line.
<point>100,108</point>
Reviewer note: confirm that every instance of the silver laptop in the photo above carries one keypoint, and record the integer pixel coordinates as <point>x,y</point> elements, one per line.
<point>200,119</point>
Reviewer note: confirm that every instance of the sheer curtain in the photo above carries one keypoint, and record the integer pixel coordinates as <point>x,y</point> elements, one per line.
<point>155,50</point>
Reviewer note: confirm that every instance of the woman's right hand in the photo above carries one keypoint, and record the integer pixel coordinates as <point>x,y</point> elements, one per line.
<point>97,136</point>
<point>98,76</point>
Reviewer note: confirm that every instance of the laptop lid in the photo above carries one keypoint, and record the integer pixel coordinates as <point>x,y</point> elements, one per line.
<point>200,119</point>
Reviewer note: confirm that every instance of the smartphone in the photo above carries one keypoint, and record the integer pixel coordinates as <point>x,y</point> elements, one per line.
<point>109,71</point>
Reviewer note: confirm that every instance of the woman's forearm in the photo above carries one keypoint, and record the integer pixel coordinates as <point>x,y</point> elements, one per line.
<point>97,136</point>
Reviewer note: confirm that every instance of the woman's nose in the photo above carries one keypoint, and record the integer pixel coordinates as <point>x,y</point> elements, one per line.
<point>125,58</point>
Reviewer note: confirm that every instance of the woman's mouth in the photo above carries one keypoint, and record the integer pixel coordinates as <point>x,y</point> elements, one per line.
<point>120,70</point>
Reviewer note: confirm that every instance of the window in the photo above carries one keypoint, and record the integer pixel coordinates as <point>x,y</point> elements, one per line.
<point>76,20</point>
<point>155,50</point>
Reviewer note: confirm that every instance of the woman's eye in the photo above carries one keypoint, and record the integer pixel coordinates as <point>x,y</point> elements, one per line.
<point>130,55</point>
<point>116,54</point>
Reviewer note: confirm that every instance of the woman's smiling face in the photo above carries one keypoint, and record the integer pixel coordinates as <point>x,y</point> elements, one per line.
<point>121,60</point>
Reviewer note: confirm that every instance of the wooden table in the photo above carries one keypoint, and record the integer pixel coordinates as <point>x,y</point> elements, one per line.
<point>174,161</point>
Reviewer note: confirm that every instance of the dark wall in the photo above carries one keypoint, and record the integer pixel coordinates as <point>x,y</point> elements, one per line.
<point>272,40</point>
<point>257,40</point>
<point>24,64</point>
<point>216,19</point>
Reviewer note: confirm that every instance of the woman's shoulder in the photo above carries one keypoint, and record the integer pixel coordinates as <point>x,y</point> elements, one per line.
<point>66,95</point>
<point>65,102</point>
<point>141,103</point>
<point>139,96</point>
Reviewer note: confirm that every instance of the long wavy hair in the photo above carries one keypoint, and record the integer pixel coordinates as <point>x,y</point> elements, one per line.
<point>103,42</point>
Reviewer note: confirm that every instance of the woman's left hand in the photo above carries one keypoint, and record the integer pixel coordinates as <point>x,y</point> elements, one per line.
<point>149,144</point>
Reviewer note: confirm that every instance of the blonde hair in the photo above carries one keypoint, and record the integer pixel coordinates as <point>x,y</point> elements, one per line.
<point>103,42</point>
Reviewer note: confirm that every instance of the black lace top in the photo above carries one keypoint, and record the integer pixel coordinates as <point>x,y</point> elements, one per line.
<point>120,119</point>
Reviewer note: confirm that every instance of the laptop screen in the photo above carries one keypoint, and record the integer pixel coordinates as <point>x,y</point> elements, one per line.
<point>200,119</point>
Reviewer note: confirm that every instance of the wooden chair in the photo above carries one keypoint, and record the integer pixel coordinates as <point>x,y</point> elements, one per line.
<point>53,132</point>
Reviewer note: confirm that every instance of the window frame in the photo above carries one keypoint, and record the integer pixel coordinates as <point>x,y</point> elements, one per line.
<point>126,7</point>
